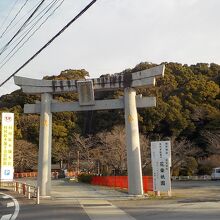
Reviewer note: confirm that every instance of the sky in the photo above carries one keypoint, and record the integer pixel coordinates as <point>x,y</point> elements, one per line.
<point>114,35</point>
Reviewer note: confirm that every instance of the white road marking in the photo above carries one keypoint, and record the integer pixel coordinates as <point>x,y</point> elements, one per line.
<point>6,217</point>
<point>102,209</point>
<point>16,211</point>
<point>10,204</point>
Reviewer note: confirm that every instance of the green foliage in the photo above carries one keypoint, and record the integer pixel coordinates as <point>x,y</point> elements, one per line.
<point>69,74</point>
<point>189,167</point>
<point>85,178</point>
<point>30,125</point>
<point>205,169</point>
<point>188,103</point>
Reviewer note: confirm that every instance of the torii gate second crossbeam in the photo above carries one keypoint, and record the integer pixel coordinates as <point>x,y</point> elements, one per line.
<point>130,102</point>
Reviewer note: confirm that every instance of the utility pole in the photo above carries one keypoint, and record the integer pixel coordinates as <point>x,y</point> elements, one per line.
<point>78,167</point>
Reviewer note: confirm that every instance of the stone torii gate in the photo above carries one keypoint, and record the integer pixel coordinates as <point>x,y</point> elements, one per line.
<point>130,102</point>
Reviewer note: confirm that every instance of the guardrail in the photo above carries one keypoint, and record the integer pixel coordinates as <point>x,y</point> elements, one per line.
<point>202,177</point>
<point>23,188</point>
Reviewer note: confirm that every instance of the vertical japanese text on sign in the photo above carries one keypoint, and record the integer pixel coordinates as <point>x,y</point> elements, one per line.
<point>7,145</point>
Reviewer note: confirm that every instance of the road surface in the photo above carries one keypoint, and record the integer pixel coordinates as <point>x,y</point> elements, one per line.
<point>192,200</point>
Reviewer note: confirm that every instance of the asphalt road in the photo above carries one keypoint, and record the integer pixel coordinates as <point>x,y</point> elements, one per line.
<point>191,200</point>
<point>9,207</point>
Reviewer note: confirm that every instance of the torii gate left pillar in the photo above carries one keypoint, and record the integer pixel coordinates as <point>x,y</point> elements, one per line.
<point>44,154</point>
<point>130,103</point>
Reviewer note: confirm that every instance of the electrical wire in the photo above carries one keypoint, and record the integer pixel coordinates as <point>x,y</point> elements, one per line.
<point>25,32</point>
<point>22,35</point>
<point>50,41</point>
<point>15,25</point>
<point>4,61</point>
<point>22,27</point>
<point>10,11</point>
<point>16,15</point>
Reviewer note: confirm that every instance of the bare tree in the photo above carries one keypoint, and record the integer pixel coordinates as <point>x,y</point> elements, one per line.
<point>86,147</point>
<point>114,149</point>
<point>60,151</point>
<point>114,153</point>
<point>145,151</point>
<point>180,151</point>
<point>213,141</point>
<point>25,155</point>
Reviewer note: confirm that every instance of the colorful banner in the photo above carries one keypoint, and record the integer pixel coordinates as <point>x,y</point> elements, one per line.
<point>7,147</point>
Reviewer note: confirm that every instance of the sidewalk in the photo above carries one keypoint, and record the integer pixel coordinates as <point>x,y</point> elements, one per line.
<point>64,189</point>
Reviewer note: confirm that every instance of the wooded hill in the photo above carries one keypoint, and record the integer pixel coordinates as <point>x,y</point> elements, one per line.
<point>187,113</point>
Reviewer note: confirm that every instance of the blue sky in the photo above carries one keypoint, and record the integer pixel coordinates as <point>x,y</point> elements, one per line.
<point>118,34</point>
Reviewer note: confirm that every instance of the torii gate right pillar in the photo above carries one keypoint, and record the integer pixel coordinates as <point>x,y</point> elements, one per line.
<point>135,182</point>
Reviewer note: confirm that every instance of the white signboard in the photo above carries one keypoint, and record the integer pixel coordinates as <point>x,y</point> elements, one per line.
<point>161,163</point>
<point>7,146</point>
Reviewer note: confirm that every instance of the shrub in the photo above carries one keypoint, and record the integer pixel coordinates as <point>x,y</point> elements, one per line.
<point>205,169</point>
<point>85,178</point>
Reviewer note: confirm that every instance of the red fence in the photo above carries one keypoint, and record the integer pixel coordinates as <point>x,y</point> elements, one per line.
<point>34,174</point>
<point>121,182</point>
<point>26,174</point>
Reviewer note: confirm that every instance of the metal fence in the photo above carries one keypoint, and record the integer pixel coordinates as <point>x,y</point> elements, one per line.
<point>23,188</point>
<point>202,177</point>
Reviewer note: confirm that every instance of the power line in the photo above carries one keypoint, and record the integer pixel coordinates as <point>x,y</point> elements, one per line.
<point>10,23</point>
<point>21,18</point>
<point>26,32</point>
<point>4,61</point>
<point>22,27</point>
<point>23,35</point>
<point>50,41</point>
<point>11,9</point>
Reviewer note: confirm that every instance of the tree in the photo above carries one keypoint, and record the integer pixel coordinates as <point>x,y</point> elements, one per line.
<point>188,167</point>
<point>145,154</point>
<point>181,150</point>
<point>188,101</point>
<point>25,155</point>
<point>114,150</point>
<point>30,125</point>
<point>69,74</point>
<point>85,148</point>
<point>213,141</point>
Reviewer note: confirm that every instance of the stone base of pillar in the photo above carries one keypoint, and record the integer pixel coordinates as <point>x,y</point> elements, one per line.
<point>46,197</point>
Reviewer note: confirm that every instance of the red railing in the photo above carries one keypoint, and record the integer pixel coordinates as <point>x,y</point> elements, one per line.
<point>26,174</point>
<point>121,182</point>
<point>54,174</point>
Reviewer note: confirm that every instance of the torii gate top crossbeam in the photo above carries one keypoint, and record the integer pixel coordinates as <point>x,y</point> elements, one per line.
<point>139,79</point>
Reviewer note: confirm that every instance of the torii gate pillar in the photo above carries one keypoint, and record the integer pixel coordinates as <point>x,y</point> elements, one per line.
<point>135,183</point>
<point>44,155</point>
